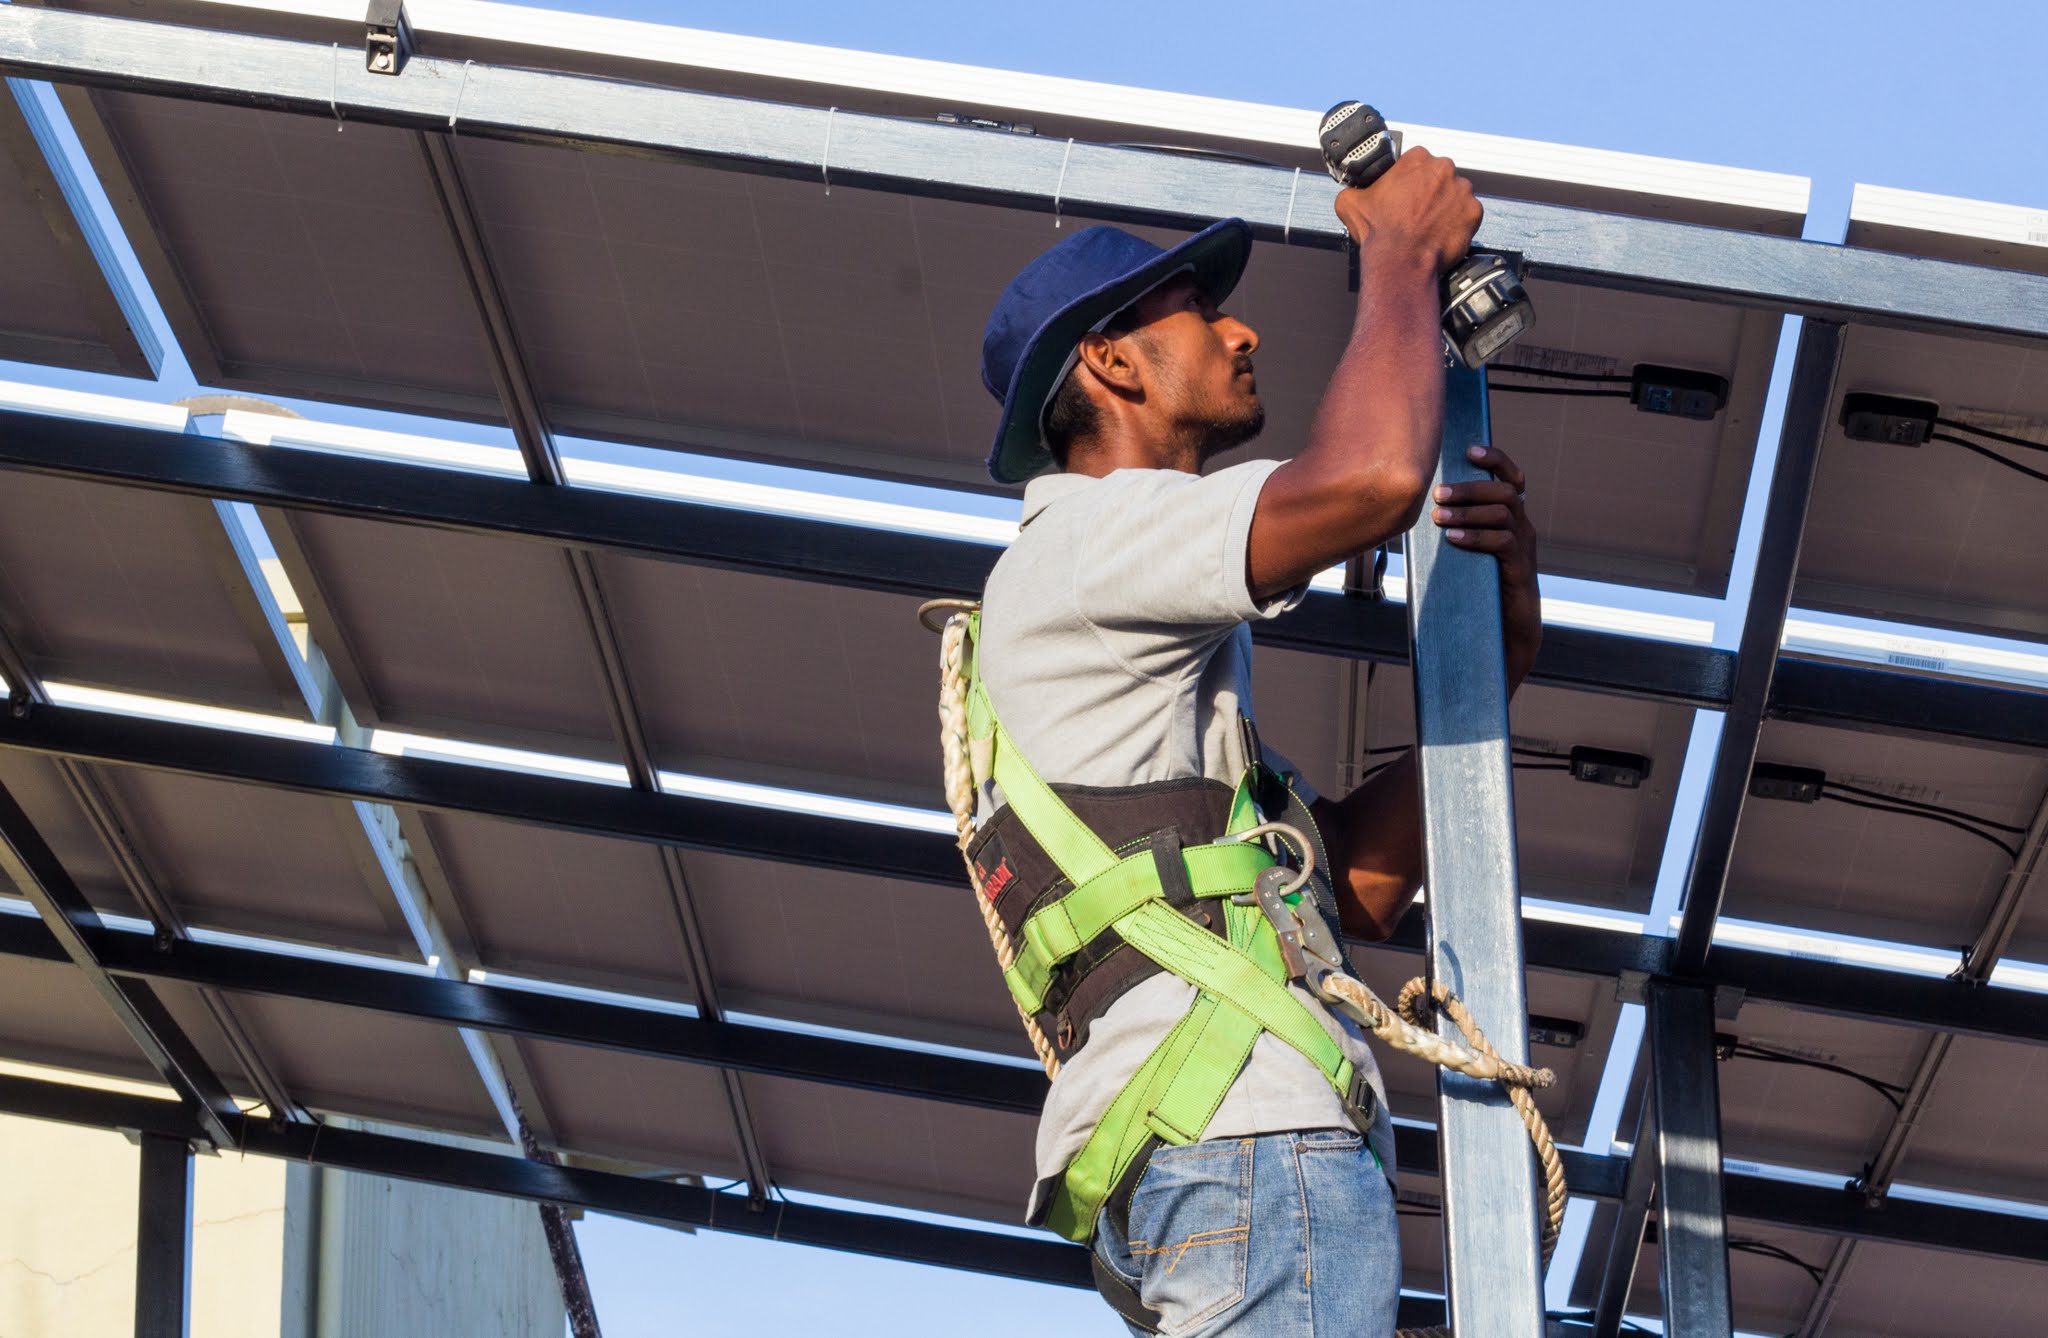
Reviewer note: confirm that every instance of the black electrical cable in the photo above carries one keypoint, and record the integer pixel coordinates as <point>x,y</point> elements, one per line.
<point>1620,377</point>
<point>1545,753</point>
<point>2006,437</point>
<point>1767,1250</point>
<point>2011,852</point>
<point>1542,766</point>
<point>1891,1092</point>
<point>1923,805</point>
<point>1990,454</point>
<point>1583,392</point>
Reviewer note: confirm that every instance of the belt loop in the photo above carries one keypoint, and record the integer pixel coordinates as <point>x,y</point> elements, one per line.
<point>1174,883</point>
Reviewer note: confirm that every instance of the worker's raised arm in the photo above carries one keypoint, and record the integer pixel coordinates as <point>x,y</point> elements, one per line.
<point>1372,449</point>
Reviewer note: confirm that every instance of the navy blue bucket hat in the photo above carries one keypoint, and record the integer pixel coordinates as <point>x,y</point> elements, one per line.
<point>1076,287</point>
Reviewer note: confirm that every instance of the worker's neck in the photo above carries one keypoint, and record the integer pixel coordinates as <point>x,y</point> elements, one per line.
<point>1128,446</point>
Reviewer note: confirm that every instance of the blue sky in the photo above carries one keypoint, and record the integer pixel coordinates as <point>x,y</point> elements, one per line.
<point>1874,92</point>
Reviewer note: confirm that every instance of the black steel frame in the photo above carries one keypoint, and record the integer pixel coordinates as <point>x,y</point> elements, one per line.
<point>1830,286</point>
<point>1804,689</point>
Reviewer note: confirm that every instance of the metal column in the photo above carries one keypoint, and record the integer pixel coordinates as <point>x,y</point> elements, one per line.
<point>1807,415</point>
<point>1617,1279</point>
<point>1692,1220</point>
<point>163,1238</point>
<point>1475,928</point>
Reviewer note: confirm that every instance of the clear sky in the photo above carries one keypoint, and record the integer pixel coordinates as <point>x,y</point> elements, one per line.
<point>1925,98</point>
<point>1916,97</point>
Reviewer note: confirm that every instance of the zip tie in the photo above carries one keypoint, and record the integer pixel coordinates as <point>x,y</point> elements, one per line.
<point>334,90</point>
<point>1288,227</point>
<point>825,160</point>
<point>463,87</point>
<point>1060,189</point>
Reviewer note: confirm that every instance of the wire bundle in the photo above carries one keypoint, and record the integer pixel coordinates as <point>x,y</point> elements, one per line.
<point>1878,801</point>
<point>2004,438</point>
<point>1597,385</point>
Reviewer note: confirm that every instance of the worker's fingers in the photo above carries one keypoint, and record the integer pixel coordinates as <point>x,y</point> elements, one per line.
<point>1479,492</point>
<point>1495,516</point>
<point>1482,540</point>
<point>1498,463</point>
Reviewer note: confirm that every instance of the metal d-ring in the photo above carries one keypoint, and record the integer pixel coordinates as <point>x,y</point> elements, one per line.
<point>947,606</point>
<point>1301,843</point>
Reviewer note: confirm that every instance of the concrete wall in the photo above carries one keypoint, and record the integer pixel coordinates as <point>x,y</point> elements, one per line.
<point>67,1236</point>
<point>279,1250</point>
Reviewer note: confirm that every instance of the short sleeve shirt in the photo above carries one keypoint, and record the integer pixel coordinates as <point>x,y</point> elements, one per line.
<point>1116,647</point>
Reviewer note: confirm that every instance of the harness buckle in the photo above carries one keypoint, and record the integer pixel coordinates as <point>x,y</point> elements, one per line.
<point>1308,949</point>
<point>1361,1103</point>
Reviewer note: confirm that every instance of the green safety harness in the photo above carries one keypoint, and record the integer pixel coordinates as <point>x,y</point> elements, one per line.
<point>1155,895</point>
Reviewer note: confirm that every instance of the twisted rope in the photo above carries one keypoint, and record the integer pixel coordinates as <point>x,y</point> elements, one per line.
<point>1409,1026</point>
<point>957,750</point>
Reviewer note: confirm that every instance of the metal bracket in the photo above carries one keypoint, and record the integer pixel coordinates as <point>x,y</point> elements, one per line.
<point>1632,987</point>
<point>388,43</point>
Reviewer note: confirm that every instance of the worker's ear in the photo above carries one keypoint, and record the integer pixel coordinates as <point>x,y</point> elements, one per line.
<point>1115,363</point>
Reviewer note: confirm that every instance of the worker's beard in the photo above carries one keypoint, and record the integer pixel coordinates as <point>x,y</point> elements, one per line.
<point>1221,433</point>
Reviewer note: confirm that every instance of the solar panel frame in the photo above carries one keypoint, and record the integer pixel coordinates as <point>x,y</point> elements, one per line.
<point>1758,703</point>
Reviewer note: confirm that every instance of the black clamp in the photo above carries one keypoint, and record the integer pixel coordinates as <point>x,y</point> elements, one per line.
<point>387,45</point>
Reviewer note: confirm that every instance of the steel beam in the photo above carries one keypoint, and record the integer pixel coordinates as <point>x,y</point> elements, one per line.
<point>528,419</point>
<point>1750,1197</point>
<point>516,1012</point>
<point>1625,1246</point>
<point>1807,418</point>
<point>412,782</point>
<point>1491,1268</point>
<point>163,1238</point>
<point>28,862</point>
<point>1118,184</point>
<point>763,545</point>
<point>1692,1222</point>
<point>1845,989</point>
<point>1979,960</point>
<point>1808,690</point>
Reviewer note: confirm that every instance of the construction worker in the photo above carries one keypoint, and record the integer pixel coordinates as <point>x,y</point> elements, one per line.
<point>1115,650</point>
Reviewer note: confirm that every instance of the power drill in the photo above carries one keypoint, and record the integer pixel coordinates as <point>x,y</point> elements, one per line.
<point>1485,306</point>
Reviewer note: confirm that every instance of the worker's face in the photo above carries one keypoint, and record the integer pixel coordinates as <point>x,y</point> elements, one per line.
<point>1197,367</point>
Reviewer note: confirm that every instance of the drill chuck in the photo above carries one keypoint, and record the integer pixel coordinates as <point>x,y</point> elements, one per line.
<point>1358,147</point>
<point>1485,307</point>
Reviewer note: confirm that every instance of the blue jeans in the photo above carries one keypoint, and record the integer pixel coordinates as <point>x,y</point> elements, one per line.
<point>1281,1236</point>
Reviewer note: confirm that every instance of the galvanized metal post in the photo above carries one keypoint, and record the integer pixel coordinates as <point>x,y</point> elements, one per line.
<point>163,1238</point>
<point>1461,717</point>
<point>1617,1279</point>
<point>1692,1240</point>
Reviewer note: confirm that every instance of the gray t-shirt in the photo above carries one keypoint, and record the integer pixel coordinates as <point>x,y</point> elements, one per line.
<point>1115,647</point>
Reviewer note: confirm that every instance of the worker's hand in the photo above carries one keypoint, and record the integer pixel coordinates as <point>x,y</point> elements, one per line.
<point>1487,516</point>
<point>1420,207</point>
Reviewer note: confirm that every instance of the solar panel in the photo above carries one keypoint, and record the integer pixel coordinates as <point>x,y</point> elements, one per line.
<point>1936,534</point>
<point>126,590</point>
<point>759,317</point>
<point>62,301</point>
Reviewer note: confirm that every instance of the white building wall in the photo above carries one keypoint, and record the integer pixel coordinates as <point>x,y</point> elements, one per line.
<point>280,1250</point>
<point>67,1236</point>
<point>375,1258</point>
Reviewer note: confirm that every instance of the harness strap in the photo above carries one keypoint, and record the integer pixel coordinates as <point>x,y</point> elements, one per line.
<point>1240,982</point>
<point>1062,928</point>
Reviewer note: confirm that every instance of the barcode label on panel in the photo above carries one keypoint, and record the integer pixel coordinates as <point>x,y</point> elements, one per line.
<point>1905,661</point>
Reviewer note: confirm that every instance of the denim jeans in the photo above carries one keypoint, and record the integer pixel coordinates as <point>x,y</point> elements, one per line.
<point>1281,1236</point>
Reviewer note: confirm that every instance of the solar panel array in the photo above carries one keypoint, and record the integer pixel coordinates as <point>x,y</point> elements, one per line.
<point>664,304</point>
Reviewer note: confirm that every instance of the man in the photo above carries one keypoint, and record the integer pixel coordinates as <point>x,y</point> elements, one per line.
<point>1114,650</point>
